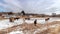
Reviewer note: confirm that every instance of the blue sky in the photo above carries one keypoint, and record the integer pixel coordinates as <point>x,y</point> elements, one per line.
<point>30,6</point>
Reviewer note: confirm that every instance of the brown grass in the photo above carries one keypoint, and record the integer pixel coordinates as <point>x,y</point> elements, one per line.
<point>23,26</point>
<point>32,28</point>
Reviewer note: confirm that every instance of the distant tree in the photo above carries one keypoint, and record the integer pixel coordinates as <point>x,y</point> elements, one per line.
<point>23,12</point>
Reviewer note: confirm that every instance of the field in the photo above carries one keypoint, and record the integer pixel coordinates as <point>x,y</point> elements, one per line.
<point>52,26</point>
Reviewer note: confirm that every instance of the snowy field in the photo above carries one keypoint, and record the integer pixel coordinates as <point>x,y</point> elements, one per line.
<point>5,23</point>
<point>36,31</point>
<point>16,32</point>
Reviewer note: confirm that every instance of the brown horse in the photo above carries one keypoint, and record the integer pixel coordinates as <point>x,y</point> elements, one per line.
<point>12,19</point>
<point>27,18</point>
<point>47,19</point>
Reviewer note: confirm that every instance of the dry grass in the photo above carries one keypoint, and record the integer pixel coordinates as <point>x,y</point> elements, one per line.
<point>24,27</point>
<point>31,28</point>
<point>55,30</point>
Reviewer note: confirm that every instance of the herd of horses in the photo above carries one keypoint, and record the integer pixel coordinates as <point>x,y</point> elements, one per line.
<point>16,18</point>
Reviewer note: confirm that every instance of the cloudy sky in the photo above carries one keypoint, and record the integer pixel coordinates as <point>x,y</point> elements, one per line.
<point>31,6</point>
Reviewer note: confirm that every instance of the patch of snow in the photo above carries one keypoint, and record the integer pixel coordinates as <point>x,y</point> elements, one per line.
<point>5,23</point>
<point>19,21</point>
<point>37,30</point>
<point>54,19</point>
<point>38,18</point>
<point>29,21</point>
<point>54,25</point>
<point>41,21</point>
<point>16,32</point>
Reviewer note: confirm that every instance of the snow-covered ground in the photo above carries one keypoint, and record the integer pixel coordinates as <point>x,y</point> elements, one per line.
<point>36,31</point>
<point>16,32</point>
<point>54,19</point>
<point>5,23</point>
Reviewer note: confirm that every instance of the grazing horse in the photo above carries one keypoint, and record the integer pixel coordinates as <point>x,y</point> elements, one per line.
<point>35,22</point>
<point>12,19</point>
<point>16,18</point>
<point>47,19</point>
<point>27,18</point>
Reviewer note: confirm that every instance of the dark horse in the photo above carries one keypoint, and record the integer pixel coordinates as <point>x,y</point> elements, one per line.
<point>35,22</point>
<point>16,18</point>
<point>47,19</point>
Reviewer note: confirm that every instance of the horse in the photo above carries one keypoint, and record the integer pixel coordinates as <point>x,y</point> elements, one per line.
<point>27,18</point>
<point>16,18</point>
<point>35,22</point>
<point>12,19</point>
<point>47,19</point>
